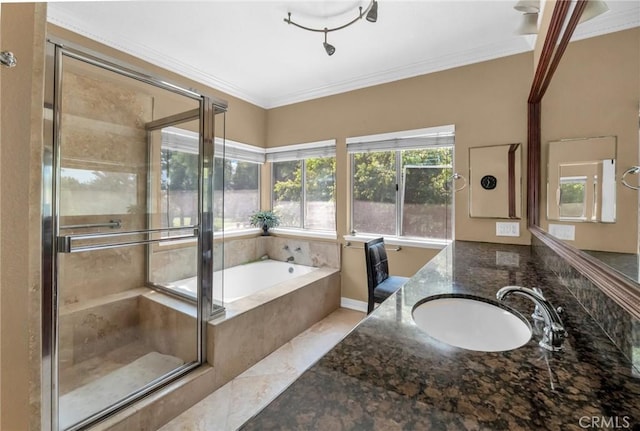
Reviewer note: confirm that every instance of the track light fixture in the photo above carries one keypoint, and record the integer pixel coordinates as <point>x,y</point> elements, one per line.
<point>328,47</point>
<point>371,14</point>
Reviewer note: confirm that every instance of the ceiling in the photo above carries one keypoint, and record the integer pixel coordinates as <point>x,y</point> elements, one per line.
<point>245,49</point>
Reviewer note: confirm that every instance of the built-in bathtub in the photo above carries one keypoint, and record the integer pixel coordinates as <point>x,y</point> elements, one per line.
<point>244,280</point>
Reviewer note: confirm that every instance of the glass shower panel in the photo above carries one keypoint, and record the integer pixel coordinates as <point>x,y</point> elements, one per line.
<point>174,197</point>
<point>127,207</point>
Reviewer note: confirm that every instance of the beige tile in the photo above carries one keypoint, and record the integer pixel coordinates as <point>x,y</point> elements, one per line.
<point>251,394</point>
<point>237,401</point>
<point>210,414</point>
<point>235,346</point>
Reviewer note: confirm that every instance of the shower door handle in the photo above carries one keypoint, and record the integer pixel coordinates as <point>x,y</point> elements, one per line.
<point>65,243</point>
<point>113,224</point>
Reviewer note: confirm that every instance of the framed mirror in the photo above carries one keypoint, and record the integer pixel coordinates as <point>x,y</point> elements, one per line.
<point>495,177</point>
<point>595,91</point>
<point>581,181</point>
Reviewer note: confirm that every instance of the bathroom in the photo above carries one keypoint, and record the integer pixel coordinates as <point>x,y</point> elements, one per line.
<point>484,119</point>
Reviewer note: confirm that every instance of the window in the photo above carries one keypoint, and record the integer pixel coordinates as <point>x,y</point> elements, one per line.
<point>303,184</point>
<point>236,183</point>
<point>572,202</point>
<point>236,186</point>
<point>174,177</point>
<point>402,186</point>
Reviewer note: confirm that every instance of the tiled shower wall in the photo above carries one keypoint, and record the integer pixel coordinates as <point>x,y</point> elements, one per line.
<point>620,326</point>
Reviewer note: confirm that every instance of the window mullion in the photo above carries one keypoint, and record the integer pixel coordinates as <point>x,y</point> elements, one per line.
<point>303,206</point>
<point>398,186</point>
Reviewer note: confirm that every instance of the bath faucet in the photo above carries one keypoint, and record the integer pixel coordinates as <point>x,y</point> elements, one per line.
<point>290,259</point>
<point>554,332</point>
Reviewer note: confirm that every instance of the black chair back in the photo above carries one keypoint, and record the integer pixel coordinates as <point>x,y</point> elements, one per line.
<point>377,264</point>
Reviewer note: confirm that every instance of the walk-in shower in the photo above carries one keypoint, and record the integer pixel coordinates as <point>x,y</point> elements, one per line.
<point>128,210</point>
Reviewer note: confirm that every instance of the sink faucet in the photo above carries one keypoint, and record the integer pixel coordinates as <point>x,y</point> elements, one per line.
<point>554,332</point>
<point>290,259</point>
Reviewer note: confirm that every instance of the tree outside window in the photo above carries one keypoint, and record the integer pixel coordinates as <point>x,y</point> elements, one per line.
<point>405,193</point>
<point>304,193</point>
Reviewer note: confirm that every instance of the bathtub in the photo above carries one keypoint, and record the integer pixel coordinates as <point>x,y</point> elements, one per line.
<point>244,280</point>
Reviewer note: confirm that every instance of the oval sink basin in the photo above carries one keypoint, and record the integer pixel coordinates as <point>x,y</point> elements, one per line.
<point>472,323</point>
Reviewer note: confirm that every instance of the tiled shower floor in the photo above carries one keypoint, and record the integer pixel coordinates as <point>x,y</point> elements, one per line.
<point>237,401</point>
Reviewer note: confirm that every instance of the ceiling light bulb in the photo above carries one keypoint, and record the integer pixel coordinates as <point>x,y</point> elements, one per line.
<point>529,24</point>
<point>329,48</point>
<point>372,15</point>
<point>592,10</point>
<point>528,6</point>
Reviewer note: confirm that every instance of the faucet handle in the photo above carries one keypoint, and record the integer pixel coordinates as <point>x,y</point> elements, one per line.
<point>553,337</point>
<point>537,313</point>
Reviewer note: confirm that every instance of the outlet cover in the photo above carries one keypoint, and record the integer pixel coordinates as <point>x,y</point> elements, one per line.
<point>566,232</point>
<point>507,228</point>
<point>506,258</point>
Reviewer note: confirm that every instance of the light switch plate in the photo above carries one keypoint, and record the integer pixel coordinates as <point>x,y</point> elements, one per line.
<point>507,228</point>
<point>566,232</point>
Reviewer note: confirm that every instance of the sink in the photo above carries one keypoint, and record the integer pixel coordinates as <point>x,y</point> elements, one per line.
<point>472,323</point>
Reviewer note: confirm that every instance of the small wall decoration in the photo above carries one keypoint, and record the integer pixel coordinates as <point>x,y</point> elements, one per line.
<point>488,182</point>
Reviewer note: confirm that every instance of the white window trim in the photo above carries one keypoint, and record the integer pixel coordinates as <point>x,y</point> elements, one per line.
<point>329,144</point>
<point>415,133</point>
<point>429,132</point>
<point>406,242</point>
<point>308,233</point>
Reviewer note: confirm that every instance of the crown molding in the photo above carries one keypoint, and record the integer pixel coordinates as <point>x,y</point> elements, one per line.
<point>607,23</point>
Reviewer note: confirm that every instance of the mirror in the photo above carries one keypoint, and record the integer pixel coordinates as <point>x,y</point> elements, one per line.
<point>495,177</point>
<point>594,92</point>
<point>581,180</point>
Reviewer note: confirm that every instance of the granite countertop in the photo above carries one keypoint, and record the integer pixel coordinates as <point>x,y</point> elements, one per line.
<point>387,374</point>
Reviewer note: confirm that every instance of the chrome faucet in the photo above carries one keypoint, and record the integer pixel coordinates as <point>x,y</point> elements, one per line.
<point>554,332</point>
<point>290,259</point>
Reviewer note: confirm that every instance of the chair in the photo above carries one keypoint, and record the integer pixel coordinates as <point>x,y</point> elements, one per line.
<point>381,285</point>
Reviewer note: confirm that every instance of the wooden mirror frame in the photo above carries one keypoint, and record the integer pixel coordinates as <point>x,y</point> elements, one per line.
<point>615,285</point>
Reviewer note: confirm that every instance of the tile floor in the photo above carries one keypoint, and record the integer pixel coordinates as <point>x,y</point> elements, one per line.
<point>237,401</point>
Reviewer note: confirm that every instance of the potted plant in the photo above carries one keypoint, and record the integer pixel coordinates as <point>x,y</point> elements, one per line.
<point>265,220</point>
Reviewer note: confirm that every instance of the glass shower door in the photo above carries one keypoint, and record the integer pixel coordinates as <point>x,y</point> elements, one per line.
<point>127,213</point>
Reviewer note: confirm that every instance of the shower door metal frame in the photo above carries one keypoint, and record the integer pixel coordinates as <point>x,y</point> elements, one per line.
<point>209,107</point>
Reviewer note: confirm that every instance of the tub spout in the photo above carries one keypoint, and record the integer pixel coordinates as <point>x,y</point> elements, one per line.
<point>290,259</point>
<point>554,332</point>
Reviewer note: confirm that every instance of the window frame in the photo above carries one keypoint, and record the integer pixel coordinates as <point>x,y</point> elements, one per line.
<point>390,138</point>
<point>240,152</point>
<point>300,153</point>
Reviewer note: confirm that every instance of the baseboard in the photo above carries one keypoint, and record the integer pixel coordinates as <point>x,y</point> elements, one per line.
<point>353,304</point>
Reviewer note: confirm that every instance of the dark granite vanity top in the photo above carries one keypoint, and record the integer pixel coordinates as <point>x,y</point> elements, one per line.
<point>387,374</point>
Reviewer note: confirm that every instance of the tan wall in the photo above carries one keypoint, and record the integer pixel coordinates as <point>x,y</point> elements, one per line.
<point>595,92</point>
<point>485,101</point>
<point>23,28</point>
<point>1,337</point>
<point>494,161</point>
